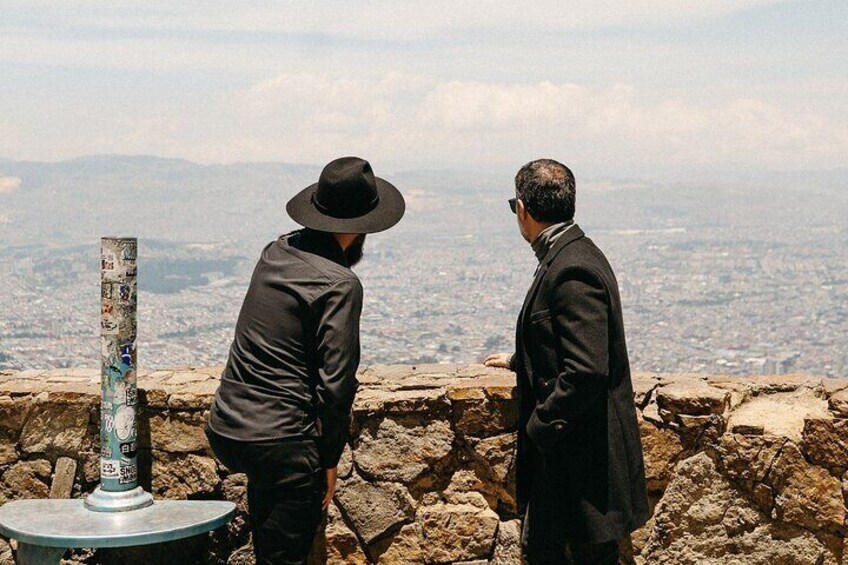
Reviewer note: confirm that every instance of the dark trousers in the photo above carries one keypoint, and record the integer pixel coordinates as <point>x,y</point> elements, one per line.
<point>543,547</point>
<point>285,486</point>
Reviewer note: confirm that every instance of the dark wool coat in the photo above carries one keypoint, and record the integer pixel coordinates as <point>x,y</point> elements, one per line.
<point>579,461</point>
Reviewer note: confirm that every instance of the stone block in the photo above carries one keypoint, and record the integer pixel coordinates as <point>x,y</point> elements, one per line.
<point>13,414</point>
<point>178,432</point>
<point>508,544</point>
<point>493,463</point>
<point>62,484</point>
<point>8,451</point>
<point>825,442</point>
<point>374,508</point>
<point>806,495</point>
<point>702,518</point>
<point>401,548</point>
<point>183,476</point>
<point>660,448</point>
<point>55,428</point>
<point>476,414</point>
<point>748,458</point>
<point>401,453</point>
<point>234,487</point>
<point>838,403</point>
<point>781,413</point>
<point>26,479</point>
<point>693,397</point>
<point>457,532</point>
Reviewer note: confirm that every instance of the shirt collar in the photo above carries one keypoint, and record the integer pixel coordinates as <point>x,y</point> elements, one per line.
<point>318,242</point>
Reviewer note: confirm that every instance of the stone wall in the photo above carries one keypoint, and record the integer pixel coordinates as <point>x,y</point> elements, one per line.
<point>740,470</point>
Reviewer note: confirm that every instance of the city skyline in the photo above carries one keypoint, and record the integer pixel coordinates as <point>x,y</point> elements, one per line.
<point>741,277</point>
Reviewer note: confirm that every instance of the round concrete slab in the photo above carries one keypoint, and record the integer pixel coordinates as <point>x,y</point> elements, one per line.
<point>67,523</point>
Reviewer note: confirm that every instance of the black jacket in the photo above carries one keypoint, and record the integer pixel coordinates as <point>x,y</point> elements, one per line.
<point>579,462</point>
<point>296,348</point>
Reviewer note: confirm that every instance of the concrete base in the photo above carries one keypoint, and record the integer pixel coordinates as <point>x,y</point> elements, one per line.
<point>104,501</point>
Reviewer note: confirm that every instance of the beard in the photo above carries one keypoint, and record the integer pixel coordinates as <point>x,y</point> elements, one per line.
<point>353,254</point>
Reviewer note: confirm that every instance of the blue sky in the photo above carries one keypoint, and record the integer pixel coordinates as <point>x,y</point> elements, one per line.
<point>616,87</point>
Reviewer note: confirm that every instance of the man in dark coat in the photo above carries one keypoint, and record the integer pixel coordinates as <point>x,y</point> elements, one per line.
<point>281,412</point>
<point>580,474</point>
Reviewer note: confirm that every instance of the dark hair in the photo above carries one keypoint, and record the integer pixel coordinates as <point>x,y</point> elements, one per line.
<point>547,189</point>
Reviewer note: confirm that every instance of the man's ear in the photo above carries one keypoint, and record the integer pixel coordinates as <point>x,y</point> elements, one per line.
<point>520,210</point>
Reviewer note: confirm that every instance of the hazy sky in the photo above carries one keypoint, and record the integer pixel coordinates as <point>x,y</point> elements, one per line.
<point>622,87</point>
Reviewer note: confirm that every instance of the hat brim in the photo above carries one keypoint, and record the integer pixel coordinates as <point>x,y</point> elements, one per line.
<point>387,213</point>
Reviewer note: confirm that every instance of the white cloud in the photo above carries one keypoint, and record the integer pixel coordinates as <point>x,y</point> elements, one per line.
<point>418,84</point>
<point>9,184</point>
<point>404,118</point>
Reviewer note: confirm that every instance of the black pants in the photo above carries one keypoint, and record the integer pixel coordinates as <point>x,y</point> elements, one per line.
<point>285,487</point>
<point>542,547</point>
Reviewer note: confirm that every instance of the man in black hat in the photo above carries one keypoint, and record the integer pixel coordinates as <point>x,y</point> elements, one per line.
<point>282,410</point>
<point>579,470</point>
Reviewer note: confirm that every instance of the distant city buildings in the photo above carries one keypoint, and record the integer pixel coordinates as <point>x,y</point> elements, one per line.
<point>704,300</point>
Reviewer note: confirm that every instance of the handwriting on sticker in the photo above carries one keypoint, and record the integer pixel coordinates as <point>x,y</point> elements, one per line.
<point>129,474</point>
<point>109,468</point>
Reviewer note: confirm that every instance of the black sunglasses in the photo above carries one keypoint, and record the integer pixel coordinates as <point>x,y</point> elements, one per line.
<point>512,202</point>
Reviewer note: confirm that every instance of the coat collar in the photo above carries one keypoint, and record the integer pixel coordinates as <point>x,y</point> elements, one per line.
<point>572,234</point>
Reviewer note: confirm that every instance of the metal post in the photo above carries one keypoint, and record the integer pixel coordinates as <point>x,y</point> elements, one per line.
<point>118,490</point>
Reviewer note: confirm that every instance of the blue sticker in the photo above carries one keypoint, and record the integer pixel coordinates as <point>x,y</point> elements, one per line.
<point>126,354</point>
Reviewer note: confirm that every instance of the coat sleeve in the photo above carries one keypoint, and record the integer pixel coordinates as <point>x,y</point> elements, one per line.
<point>337,341</point>
<point>579,315</point>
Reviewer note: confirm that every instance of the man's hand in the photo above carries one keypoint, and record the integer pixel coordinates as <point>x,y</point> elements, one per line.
<point>331,486</point>
<point>498,360</point>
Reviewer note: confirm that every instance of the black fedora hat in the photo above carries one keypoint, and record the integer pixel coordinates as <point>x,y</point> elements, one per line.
<point>348,198</point>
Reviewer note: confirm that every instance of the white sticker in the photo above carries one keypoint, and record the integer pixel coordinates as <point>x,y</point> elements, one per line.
<point>124,422</point>
<point>109,468</point>
<point>129,474</point>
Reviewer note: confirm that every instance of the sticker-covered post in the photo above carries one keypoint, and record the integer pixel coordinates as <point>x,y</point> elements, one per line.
<point>118,488</point>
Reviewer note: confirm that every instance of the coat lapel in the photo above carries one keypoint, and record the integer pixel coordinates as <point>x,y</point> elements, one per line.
<point>572,234</point>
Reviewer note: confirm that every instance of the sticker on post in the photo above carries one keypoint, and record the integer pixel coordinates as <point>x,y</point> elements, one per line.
<point>109,469</point>
<point>124,422</point>
<point>129,474</point>
<point>132,396</point>
<point>108,423</point>
<point>130,252</point>
<point>124,293</point>
<point>107,261</point>
<point>129,449</point>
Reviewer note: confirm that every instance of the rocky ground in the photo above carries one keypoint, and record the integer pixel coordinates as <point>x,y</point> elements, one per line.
<point>740,470</point>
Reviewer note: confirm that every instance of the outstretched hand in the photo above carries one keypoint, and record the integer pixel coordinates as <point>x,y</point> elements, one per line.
<point>497,360</point>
